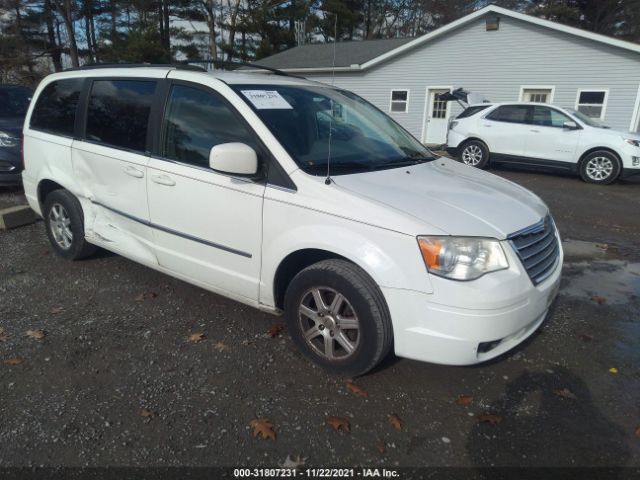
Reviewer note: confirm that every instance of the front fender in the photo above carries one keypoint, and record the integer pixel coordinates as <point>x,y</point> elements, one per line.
<point>392,259</point>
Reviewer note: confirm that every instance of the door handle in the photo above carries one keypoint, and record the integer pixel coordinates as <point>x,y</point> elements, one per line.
<point>134,172</point>
<point>488,125</point>
<point>535,131</point>
<point>163,180</point>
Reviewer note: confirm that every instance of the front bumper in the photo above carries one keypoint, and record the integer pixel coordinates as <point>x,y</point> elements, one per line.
<point>464,323</point>
<point>10,179</point>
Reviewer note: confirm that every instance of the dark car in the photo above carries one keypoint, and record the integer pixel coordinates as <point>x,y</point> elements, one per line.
<point>14,102</point>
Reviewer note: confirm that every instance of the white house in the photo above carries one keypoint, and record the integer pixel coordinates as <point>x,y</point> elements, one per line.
<point>505,55</point>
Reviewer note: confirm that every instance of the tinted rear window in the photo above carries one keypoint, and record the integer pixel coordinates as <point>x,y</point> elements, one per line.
<point>472,111</point>
<point>55,109</point>
<point>118,112</point>
<point>511,114</point>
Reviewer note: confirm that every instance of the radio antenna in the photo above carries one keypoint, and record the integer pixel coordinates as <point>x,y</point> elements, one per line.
<point>327,180</point>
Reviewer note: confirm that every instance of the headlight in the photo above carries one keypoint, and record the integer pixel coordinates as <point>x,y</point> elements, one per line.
<point>462,258</point>
<point>7,140</point>
<point>632,141</point>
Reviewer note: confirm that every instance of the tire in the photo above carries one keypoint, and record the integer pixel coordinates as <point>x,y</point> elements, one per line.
<point>601,167</point>
<point>362,305</point>
<point>474,153</point>
<point>64,222</point>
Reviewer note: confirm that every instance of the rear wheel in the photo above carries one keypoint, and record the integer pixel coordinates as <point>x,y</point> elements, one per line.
<point>601,167</point>
<point>474,153</point>
<point>336,315</point>
<point>64,222</point>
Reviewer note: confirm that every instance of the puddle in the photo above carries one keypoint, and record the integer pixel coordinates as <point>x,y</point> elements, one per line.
<point>616,281</point>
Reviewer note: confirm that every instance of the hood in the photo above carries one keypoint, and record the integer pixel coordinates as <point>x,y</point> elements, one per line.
<point>614,132</point>
<point>452,197</point>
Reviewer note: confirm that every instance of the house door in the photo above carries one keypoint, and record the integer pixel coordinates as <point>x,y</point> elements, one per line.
<point>437,118</point>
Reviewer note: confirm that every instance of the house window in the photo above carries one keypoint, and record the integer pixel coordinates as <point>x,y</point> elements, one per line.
<point>536,94</point>
<point>592,103</point>
<point>399,101</point>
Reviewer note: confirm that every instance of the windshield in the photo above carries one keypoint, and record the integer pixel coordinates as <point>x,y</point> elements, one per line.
<point>14,102</point>
<point>304,118</point>
<point>592,122</point>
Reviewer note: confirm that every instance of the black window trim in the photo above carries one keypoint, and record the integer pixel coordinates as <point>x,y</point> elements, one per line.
<point>272,172</point>
<point>78,111</point>
<point>82,133</point>
<point>528,120</point>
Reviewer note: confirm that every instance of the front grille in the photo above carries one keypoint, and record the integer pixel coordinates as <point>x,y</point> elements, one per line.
<point>538,249</point>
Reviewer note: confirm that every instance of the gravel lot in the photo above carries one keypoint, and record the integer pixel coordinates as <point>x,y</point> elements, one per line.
<point>117,381</point>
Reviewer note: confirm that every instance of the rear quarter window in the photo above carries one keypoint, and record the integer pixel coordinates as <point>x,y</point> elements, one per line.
<point>55,109</point>
<point>472,111</point>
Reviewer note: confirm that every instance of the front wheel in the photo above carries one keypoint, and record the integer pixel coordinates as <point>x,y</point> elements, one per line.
<point>600,167</point>
<point>337,316</point>
<point>474,153</point>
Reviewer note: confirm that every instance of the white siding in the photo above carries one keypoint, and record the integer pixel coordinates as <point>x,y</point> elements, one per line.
<point>497,64</point>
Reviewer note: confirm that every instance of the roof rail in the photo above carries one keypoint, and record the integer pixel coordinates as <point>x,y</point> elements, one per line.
<point>177,66</point>
<point>222,64</point>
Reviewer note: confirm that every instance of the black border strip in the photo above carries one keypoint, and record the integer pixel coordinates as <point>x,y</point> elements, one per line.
<point>175,232</point>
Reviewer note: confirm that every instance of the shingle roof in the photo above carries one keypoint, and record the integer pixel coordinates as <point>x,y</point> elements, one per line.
<point>362,55</point>
<point>320,55</point>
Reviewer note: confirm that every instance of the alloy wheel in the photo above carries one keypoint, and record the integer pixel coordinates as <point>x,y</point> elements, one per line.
<point>472,155</point>
<point>329,323</point>
<point>60,225</point>
<point>599,168</point>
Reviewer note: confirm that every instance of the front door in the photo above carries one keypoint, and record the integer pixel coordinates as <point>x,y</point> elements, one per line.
<point>548,139</point>
<point>207,225</point>
<point>437,120</point>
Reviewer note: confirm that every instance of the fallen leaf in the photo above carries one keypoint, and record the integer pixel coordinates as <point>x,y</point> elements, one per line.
<point>357,390</point>
<point>37,334</point>
<point>13,361</point>
<point>196,337</point>
<point>263,427</point>
<point>565,393</point>
<point>275,330</point>
<point>585,338</point>
<point>221,347</point>
<point>613,370</point>
<point>395,422</point>
<point>381,446</point>
<point>489,418</point>
<point>638,432</point>
<point>145,296</point>
<point>146,413</point>
<point>3,336</point>
<point>338,423</point>
<point>602,246</point>
<point>293,462</point>
<point>598,299</point>
<point>57,310</point>
<point>464,400</point>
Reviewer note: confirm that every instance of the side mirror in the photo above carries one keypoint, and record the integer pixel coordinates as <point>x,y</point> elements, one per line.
<point>234,159</point>
<point>570,125</point>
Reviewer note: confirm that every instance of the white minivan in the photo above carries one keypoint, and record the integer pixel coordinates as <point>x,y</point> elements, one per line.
<point>292,196</point>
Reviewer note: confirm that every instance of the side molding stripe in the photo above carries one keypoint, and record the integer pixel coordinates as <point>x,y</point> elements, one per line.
<point>175,232</point>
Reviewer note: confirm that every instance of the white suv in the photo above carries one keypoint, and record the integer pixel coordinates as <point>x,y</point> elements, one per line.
<point>543,136</point>
<point>220,179</point>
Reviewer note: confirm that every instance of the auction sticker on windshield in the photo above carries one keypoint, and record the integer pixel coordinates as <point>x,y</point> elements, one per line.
<point>266,99</point>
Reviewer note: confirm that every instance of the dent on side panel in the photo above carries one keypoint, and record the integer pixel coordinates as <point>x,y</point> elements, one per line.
<point>114,207</point>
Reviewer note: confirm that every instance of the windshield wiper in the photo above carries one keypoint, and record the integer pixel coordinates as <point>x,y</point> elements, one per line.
<point>404,162</point>
<point>341,166</point>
